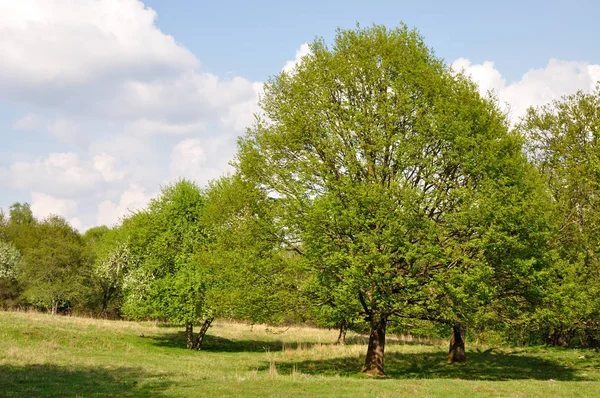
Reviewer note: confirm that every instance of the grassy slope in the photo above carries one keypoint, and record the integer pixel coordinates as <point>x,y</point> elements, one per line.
<point>44,356</point>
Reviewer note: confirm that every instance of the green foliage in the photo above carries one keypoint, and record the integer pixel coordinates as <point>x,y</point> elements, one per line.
<point>111,261</point>
<point>409,194</point>
<point>54,270</point>
<point>9,260</point>
<point>10,289</point>
<point>159,249</point>
<point>256,272</point>
<point>20,213</point>
<point>565,145</point>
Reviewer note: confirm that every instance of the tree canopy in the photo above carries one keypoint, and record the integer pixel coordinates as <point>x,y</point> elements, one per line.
<point>403,184</point>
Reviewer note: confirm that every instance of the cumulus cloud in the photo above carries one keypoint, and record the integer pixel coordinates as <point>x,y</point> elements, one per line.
<point>50,44</point>
<point>108,60</point>
<point>301,52</point>
<point>105,165</point>
<point>101,74</point>
<point>201,160</point>
<point>536,87</point>
<point>43,205</point>
<point>132,199</point>
<point>57,173</point>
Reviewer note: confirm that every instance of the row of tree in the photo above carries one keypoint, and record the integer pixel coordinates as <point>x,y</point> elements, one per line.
<point>377,185</point>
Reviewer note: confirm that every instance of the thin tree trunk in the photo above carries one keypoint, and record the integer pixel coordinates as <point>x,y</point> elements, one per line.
<point>374,361</point>
<point>189,335</point>
<point>457,344</point>
<point>341,340</point>
<point>202,333</point>
<point>54,306</point>
<point>106,297</point>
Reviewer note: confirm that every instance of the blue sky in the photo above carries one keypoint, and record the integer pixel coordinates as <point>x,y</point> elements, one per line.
<point>252,38</point>
<point>104,101</point>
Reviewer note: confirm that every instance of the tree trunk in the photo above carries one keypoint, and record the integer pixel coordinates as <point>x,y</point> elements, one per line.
<point>189,335</point>
<point>374,361</point>
<point>341,340</point>
<point>106,297</point>
<point>457,344</point>
<point>202,333</point>
<point>54,307</point>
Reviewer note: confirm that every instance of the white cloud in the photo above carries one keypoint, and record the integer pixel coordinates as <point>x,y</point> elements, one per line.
<point>62,43</point>
<point>63,129</point>
<point>536,87</point>
<point>105,164</point>
<point>59,173</point>
<point>146,127</point>
<point>202,160</point>
<point>77,224</point>
<point>43,205</point>
<point>27,122</point>
<point>132,199</point>
<point>107,60</point>
<point>301,52</point>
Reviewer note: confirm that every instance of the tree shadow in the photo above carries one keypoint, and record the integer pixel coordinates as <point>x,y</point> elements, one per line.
<point>486,366</point>
<point>361,339</point>
<point>58,381</point>
<point>214,343</point>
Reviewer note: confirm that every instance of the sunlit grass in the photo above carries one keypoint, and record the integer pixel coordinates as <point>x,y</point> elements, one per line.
<point>45,356</point>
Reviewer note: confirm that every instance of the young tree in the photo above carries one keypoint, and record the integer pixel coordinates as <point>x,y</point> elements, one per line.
<point>111,259</point>
<point>391,170</point>
<point>166,277</point>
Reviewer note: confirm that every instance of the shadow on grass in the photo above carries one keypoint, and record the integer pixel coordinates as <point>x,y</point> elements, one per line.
<point>213,343</point>
<point>57,381</point>
<point>481,366</point>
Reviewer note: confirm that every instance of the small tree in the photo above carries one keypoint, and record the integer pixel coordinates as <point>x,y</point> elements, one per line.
<point>166,277</point>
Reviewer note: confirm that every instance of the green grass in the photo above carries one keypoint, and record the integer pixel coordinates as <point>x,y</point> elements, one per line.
<point>45,356</point>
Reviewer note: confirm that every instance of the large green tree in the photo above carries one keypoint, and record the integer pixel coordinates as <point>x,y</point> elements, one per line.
<point>564,142</point>
<point>400,181</point>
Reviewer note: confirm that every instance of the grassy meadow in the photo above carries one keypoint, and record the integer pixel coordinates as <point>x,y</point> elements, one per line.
<point>46,356</point>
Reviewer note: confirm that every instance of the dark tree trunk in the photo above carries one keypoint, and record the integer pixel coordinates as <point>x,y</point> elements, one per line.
<point>558,338</point>
<point>202,333</point>
<point>189,335</point>
<point>374,361</point>
<point>342,336</point>
<point>457,344</point>
<point>54,307</point>
<point>106,297</point>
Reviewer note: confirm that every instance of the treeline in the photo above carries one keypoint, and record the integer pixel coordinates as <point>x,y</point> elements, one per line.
<point>376,191</point>
<point>191,255</point>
